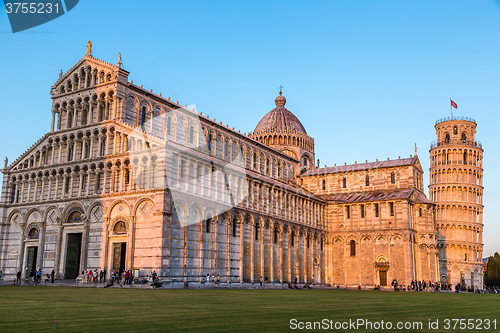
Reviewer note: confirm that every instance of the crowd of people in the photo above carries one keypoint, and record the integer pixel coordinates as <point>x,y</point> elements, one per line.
<point>127,278</point>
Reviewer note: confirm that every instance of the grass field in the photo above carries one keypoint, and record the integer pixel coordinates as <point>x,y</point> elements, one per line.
<point>65,309</point>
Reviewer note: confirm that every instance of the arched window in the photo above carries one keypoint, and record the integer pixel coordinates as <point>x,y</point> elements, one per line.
<point>275,238</point>
<point>254,162</point>
<point>393,178</point>
<point>226,149</point>
<point>75,217</point>
<point>292,238</point>
<point>352,245</point>
<point>447,138</point>
<point>256,232</point>
<point>142,118</point>
<point>208,223</point>
<point>465,157</point>
<point>169,123</point>
<point>120,228</point>
<point>191,134</point>
<point>464,137</point>
<point>367,180</point>
<point>234,227</point>
<point>420,212</point>
<point>33,233</point>
<point>323,184</point>
<point>455,130</point>
<point>209,142</point>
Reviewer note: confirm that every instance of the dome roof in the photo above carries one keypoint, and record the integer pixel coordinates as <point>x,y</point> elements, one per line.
<point>279,119</point>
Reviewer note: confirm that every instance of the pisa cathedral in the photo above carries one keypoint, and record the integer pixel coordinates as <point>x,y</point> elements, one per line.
<point>129,179</point>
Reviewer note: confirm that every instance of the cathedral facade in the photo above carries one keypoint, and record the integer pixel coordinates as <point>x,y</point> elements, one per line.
<point>129,179</point>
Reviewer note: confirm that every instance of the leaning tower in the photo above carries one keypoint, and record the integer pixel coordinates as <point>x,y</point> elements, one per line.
<point>456,187</point>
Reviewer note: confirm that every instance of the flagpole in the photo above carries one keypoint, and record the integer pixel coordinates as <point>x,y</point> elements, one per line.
<point>451,109</point>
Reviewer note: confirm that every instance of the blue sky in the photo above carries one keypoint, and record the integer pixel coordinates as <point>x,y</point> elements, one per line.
<point>368,79</point>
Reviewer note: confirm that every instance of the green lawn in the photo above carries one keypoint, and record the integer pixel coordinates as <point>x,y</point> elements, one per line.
<point>93,310</point>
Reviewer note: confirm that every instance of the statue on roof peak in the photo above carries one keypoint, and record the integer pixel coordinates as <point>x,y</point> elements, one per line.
<point>89,48</point>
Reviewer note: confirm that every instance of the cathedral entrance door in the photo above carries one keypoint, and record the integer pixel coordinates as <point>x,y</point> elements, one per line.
<point>119,252</point>
<point>73,252</point>
<point>31,259</point>
<point>383,278</point>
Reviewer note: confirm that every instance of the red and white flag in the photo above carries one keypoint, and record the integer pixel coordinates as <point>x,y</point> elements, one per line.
<point>453,104</point>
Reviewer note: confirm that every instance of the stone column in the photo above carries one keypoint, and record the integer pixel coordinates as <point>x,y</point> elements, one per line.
<point>57,186</point>
<point>252,241</point>
<point>85,241</point>
<point>280,254</point>
<point>105,179</point>
<point>90,116</point>
<point>16,192</point>
<point>89,174</point>
<point>52,151</point>
<point>65,180</point>
<point>60,153</point>
<point>241,227</point>
<point>75,112</point>
<point>57,261</point>
<point>84,148</point>
<point>80,183</point>
<point>86,77</point>
<point>131,243</point>
<point>107,146</point>
<point>59,121</point>
<point>53,120</point>
<point>41,243</point>
<point>228,255</point>
<point>106,110</point>
<point>29,189</point>
<point>99,152</point>
<point>44,178</point>
<point>75,148</point>
<point>36,188</point>
<point>72,183</point>
<point>112,181</point>
<point>20,257</point>
<point>261,250</point>
<point>49,195</point>
<point>133,172</point>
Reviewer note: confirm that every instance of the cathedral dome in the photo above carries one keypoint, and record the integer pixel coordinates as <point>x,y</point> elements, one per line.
<point>279,119</point>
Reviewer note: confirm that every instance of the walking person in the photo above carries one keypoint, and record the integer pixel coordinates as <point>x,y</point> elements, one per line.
<point>18,277</point>
<point>52,275</point>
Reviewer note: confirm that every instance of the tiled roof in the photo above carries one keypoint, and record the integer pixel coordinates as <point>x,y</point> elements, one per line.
<point>361,166</point>
<point>279,119</point>
<point>376,196</point>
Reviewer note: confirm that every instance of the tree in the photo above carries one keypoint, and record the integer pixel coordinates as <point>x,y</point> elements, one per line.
<point>492,276</point>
